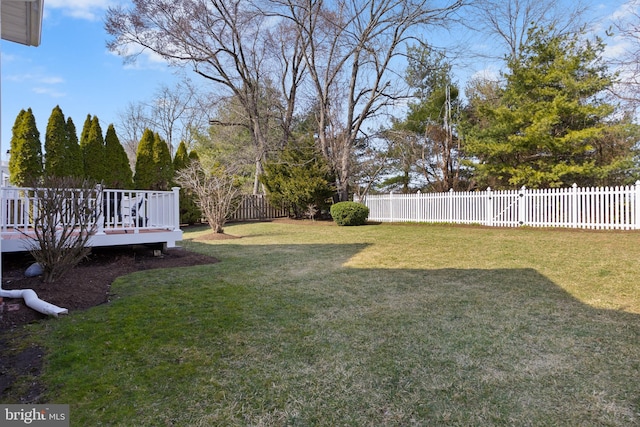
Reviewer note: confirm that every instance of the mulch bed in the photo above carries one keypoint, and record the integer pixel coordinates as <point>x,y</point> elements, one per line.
<point>87,285</point>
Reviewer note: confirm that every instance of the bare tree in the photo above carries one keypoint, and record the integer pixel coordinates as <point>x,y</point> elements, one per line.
<point>66,213</point>
<point>216,191</point>
<point>132,123</point>
<point>225,41</point>
<point>509,21</point>
<point>350,47</point>
<point>627,62</point>
<point>176,113</point>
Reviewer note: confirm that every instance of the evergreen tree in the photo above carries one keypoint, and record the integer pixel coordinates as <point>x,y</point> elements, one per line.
<point>163,166</point>
<point>300,179</point>
<point>93,154</point>
<point>55,145</point>
<point>144,170</point>
<point>181,158</point>
<point>193,156</point>
<point>25,163</point>
<point>74,154</point>
<point>84,136</point>
<point>190,213</point>
<point>551,123</point>
<point>118,173</point>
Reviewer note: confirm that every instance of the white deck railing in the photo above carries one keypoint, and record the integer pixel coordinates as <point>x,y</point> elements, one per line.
<point>597,208</point>
<point>128,210</point>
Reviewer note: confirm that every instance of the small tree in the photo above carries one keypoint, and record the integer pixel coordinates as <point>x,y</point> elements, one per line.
<point>64,219</point>
<point>300,179</point>
<point>25,164</point>
<point>216,192</point>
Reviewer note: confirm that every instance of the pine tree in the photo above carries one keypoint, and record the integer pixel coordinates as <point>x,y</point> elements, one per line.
<point>93,152</point>
<point>55,145</point>
<point>300,179</point>
<point>144,170</point>
<point>25,164</point>
<point>118,173</point>
<point>76,166</point>
<point>551,123</point>
<point>162,164</point>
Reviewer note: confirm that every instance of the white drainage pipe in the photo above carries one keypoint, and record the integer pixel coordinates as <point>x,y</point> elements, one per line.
<point>31,300</point>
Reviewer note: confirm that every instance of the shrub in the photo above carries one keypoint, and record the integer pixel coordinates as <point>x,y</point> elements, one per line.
<point>64,219</point>
<point>349,213</point>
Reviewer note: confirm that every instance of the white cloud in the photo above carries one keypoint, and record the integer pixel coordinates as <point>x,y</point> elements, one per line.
<point>48,91</point>
<point>92,10</point>
<point>142,59</point>
<point>626,11</point>
<point>38,83</point>
<point>5,57</point>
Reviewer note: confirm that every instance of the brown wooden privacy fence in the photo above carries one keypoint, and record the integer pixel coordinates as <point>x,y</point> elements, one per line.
<point>256,207</point>
<point>574,207</point>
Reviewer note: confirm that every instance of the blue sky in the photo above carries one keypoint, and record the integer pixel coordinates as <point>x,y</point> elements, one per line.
<point>73,68</point>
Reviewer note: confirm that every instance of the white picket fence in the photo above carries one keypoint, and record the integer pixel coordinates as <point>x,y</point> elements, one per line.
<point>594,208</point>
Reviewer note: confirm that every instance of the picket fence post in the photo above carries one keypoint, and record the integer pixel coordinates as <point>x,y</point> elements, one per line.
<point>489,210</point>
<point>521,205</point>
<point>637,224</point>
<point>574,205</point>
<point>391,206</point>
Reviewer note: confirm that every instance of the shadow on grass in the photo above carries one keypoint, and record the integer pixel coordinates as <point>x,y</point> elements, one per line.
<point>287,335</point>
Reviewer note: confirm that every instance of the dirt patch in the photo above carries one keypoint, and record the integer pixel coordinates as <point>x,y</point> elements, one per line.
<point>87,285</point>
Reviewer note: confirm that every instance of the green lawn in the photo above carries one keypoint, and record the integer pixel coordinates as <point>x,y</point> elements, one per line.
<point>313,324</point>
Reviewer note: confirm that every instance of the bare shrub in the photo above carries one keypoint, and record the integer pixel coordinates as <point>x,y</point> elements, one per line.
<point>65,214</point>
<point>216,191</point>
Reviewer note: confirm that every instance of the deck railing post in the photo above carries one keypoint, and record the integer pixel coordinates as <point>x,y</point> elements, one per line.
<point>100,207</point>
<point>176,207</point>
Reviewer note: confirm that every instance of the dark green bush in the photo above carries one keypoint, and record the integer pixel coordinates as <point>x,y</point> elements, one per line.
<point>349,213</point>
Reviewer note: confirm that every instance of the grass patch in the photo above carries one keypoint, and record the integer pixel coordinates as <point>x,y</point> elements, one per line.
<point>376,325</point>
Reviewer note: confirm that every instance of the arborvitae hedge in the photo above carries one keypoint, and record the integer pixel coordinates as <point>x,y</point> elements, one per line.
<point>118,173</point>
<point>25,163</point>
<point>93,152</point>
<point>190,212</point>
<point>74,154</point>
<point>55,145</point>
<point>144,173</point>
<point>162,164</point>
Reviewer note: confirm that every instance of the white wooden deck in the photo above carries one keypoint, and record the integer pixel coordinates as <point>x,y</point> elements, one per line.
<point>129,217</point>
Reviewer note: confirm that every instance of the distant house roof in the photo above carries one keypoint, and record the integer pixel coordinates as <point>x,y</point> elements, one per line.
<point>22,21</point>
